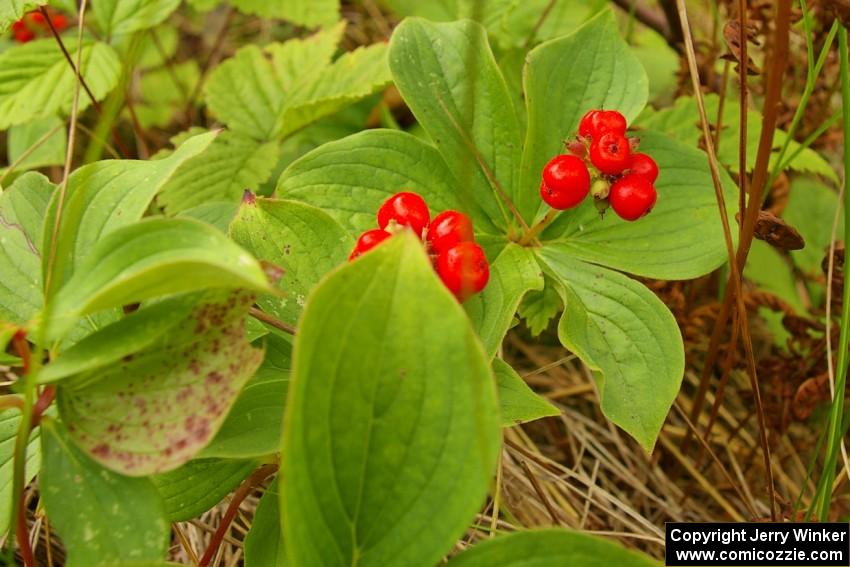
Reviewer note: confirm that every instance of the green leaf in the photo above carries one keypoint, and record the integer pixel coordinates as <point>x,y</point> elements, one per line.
<point>547,547</point>
<point>271,92</point>
<point>101,516</point>
<point>153,258</point>
<point>240,163</point>
<point>522,23</point>
<point>512,274</point>
<point>681,238</point>
<point>517,402</point>
<point>811,209</point>
<point>623,332</point>
<point>677,121</point>
<point>564,78</point>
<point>355,75</point>
<point>13,10</point>
<point>197,486</point>
<point>215,213</point>
<point>22,209</point>
<point>120,339</point>
<point>538,308</point>
<point>301,239</point>
<point>118,17</point>
<point>350,178</point>
<point>255,423</point>
<point>772,272</point>
<point>245,92</point>
<point>36,80</point>
<point>395,407</point>
<point>10,421</point>
<point>158,407</point>
<point>39,143</point>
<point>306,13</point>
<point>264,542</point>
<point>449,79</point>
<point>104,196</point>
<point>164,93</point>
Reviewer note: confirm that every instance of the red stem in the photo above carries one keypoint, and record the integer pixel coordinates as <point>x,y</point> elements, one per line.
<point>241,493</point>
<point>23,535</point>
<point>22,347</point>
<point>42,403</point>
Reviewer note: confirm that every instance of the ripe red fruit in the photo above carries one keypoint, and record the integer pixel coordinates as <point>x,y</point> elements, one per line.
<point>632,196</point>
<point>599,122</point>
<point>406,209</point>
<point>566,182</point>
<point>60,22</point>
<point>464,269</point>
<point>585,127</point>
<point>610,153</point>
<point>644,166</point>
<point>21,32</point>
<point>367,241</point>
<point>448,229</point>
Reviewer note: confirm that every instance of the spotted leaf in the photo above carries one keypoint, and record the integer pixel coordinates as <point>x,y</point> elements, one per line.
<point>154,409</point>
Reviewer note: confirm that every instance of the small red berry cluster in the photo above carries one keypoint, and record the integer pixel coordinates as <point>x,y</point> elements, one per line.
<point>449,240</point>
<point>27,28</point>
<point>620,175</point>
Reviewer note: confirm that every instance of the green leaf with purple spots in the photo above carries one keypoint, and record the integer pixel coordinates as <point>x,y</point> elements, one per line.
<point>155,409</point>
<point>255,423</point>
<point>153,258</point>
<point>102,517</point>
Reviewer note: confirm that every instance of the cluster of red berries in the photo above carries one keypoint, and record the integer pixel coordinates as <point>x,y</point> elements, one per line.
<point>620,175</point>
<point>27,28</point>
<point>449,240</point>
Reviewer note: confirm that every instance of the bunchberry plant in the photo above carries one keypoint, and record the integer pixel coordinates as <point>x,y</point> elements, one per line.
<point>174,336</point>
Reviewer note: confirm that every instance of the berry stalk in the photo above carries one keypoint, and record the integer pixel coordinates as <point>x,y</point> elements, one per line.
<point>538,228</point>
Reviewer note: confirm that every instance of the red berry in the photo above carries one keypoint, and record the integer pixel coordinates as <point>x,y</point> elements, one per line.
<point>585,127</point>
<point>37,18</point>
<point>406,209</point>
<point>609,121</point>
<point>21,32</point>
<point>566,182</point>
<point>632,196</point>
<point>60,22</point>
<point>448,229</point>
<point>464,269</point>
<point>610,153</point>
<point>645,166</point>
<point>598,122</point>
<point>367,241</point>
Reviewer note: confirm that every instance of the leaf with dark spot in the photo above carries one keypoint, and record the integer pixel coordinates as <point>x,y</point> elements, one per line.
<point>732,36</point>
<point>777,232</point>
<point>155,411</point>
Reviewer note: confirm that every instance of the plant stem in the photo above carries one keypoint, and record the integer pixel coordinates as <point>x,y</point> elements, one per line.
<point>241,493</point>
<point>835,429</point>
<point>813,73</point>
<point>17,523</point>
<point>78,72</point>
<point>533,232</point>
<point>264,317</point>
